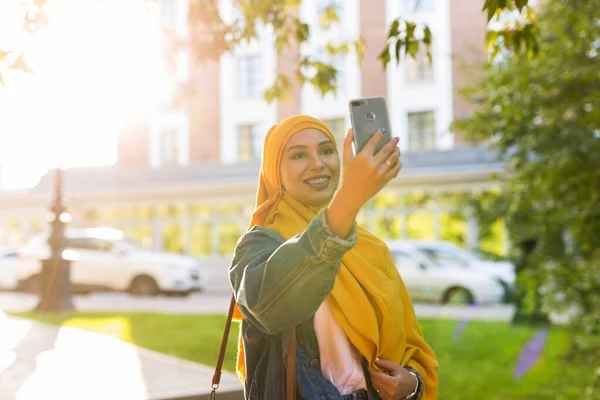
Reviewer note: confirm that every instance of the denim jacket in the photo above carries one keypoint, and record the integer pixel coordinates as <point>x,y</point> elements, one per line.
<point>279,284</point>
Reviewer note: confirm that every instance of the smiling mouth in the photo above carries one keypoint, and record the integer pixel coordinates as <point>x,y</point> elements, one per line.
<point>318,181</point>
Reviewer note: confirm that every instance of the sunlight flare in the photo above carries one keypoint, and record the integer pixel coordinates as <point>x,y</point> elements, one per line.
<point>98,66</point>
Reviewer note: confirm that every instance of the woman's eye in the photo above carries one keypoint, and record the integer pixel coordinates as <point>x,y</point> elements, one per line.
<point>328,151</point>
<point>297,156</point>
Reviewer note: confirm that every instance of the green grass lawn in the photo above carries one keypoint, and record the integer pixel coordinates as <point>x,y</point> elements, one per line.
<point>479,365</point>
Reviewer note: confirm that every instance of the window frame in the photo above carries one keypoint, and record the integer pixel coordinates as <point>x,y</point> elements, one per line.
<point>421,133</point>
<point>256,133</point>
<point>248,76</point>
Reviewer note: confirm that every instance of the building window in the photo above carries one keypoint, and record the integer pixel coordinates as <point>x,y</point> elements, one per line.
<point>250,142</point>
<point>248,75</point>
<point>418,5</point>
<point>338,128</point>
<point>421,131</point>
<point>168,146</point>
<point>419,69</point>
<point>169,139</point>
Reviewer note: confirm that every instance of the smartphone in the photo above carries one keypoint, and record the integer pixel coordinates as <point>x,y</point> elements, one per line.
<point>367,116</point>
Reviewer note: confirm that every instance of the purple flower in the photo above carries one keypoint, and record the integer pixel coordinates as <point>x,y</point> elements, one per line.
<point>530,354</point>
<point>464,321</point>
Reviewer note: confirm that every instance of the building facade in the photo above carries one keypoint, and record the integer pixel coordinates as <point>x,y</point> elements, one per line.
<point>186,177</point>
<point>225,118</point>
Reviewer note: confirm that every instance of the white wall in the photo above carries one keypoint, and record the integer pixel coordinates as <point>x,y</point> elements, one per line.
<point>435,95</point>
<point>236,112</point>
<point>333,106</point>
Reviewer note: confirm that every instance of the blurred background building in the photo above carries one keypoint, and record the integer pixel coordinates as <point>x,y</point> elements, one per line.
<point>186,175</point>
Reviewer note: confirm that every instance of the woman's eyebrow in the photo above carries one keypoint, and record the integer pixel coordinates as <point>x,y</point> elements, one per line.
<point>301,146</point>
<point>297,146</point>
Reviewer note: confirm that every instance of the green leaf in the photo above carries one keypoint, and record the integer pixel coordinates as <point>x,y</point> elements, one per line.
<point>427,36</point>
<point>491,43</point>
<point>516,41</point>
<point>302,31</point>
<point>339,49</point>
<point>325,78</point>
<point>410,31</point>
<point>359,48</point>
<point>521,4</point>
<point>412,48</point>
<point>394,30</point>
<point>281,42</point>
<point>399,45</point>
<point>428,53</point>
<point>491,6</point>
<point>300,77</point>
<point>329,16</point>
<point>385,56</point>
<point>280,90</point>
<point>534,48</point>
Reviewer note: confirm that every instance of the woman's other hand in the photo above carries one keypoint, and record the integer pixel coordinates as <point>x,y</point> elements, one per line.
<point>396,384</point>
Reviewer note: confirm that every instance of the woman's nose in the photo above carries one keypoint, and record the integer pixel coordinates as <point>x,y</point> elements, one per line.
<point>316,162</point>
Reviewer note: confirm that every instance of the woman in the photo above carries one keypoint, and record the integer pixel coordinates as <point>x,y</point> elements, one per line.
<point>304,265</point>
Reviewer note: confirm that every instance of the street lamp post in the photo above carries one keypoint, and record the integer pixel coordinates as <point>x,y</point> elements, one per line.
<point>55,289</point>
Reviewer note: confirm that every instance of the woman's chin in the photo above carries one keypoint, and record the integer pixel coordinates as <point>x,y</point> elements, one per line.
<point>322,199</point>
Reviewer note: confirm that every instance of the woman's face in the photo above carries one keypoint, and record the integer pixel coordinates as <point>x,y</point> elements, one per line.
<point>310,167</point>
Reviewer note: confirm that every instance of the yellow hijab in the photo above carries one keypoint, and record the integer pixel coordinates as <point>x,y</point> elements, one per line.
<point>369,299</point>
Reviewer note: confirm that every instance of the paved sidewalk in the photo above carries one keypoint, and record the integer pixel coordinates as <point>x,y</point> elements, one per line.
<point>211,303</point>
<point>39,361</point>
<point>197,303</point>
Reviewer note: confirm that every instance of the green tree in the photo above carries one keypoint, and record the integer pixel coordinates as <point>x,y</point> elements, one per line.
<point>543,116</point>
<point>211,36</point>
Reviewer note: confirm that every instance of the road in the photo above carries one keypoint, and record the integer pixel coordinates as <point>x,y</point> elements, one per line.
<point>215,300</point>
<point>218,303</point>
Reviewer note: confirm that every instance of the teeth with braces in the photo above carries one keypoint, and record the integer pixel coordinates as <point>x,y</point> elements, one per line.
<point>319,180</point>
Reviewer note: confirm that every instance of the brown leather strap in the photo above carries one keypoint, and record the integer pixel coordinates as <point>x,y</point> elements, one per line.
<point>217,376</point>
<point>291,366</point>
<point>291,358</point>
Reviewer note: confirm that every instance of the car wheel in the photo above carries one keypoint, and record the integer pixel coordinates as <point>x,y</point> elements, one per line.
<point>458,295</point>
<point>508,297</point>
<point>144,286</point>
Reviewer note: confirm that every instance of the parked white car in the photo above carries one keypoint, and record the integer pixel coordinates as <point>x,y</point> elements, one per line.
<point>103,259</point>
<point>428,280</point>
<point>448,253</point>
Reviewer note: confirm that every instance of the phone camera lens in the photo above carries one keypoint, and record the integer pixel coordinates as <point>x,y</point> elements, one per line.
<point>355,103</point>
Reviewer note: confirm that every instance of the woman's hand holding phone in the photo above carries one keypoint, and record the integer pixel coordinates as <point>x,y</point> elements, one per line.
<point>367,172</point>
<point>363,176</point>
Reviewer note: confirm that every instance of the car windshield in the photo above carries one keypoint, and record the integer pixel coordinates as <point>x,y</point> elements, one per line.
<point>127,243</point>
<point>443,256</point>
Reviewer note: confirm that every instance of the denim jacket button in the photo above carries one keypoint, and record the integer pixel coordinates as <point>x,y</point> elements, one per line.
<point>314,363</point>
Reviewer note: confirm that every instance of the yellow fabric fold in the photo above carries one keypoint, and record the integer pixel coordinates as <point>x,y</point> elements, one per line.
<point>369,299</point>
